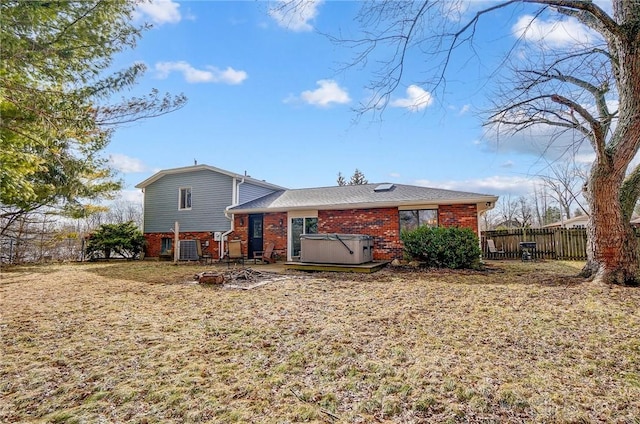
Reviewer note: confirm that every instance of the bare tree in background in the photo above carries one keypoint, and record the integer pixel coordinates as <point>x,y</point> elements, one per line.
<point>565,182</point>
<point>586,94</point>
<point>524,211</point>
<point>40,236</point>
<point>122,211</point>
<point>541,203</point>
<point>508,209</point>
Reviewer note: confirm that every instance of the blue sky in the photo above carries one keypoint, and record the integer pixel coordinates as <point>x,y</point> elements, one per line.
<point>267,95</point>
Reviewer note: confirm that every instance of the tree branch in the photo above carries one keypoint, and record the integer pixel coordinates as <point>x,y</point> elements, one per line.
<point>586,12</point>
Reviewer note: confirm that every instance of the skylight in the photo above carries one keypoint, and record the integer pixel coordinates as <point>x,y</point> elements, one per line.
<point>383,187</point>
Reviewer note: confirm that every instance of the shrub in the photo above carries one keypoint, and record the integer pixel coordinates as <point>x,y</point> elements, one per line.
<point>439,247</point>
<point>124,240</point>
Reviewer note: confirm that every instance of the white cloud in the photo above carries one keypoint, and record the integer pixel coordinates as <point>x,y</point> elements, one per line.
<point>160,11</point>
<point>209,74</point>
<point>497,184</point>
<point>553,33</point>
<point>464,109</point>
<point>126,164</point>
<point>417,99</point>
<point>541,141</point>
<point>549,143</point>
<point>394,175</point>
<point>507,164</point>
<point>133,196</point>
<point>328,93</point>
<point>295,15</point>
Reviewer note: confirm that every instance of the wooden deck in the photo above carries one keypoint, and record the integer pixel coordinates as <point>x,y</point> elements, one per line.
<point>368,267</point>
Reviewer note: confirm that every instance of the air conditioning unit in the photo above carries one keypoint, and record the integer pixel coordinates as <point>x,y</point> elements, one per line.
<point>217,236</point>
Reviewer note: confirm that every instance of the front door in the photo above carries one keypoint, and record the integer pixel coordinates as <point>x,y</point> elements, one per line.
<point>255,234</point>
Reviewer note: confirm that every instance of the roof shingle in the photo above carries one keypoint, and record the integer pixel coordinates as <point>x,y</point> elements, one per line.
<point>357,196</point>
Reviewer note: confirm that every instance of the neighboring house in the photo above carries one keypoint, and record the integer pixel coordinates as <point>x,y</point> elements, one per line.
<point>196,197</point>
<point>575,222</point>
<point>378,210</point>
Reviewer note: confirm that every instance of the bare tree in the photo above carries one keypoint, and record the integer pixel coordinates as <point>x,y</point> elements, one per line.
<point>588,94</point>
<point>541,204</point>
<point>122,211</point>
<point>565,182</point>
<point>524,211</point>
<point>508,208</point>
<point>488,220</point>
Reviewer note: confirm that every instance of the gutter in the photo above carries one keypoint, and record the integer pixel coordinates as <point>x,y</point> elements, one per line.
<point>373,205</point>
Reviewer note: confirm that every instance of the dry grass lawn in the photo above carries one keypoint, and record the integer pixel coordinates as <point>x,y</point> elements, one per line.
<point>133,342</point>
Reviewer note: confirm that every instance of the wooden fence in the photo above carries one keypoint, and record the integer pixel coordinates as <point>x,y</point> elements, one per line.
<point>551,243</point>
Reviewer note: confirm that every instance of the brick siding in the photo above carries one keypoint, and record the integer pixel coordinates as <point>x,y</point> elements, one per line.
<point>154,242</point>
<point>465,216</point>
<point>272,231</point>
<point>381,223</point>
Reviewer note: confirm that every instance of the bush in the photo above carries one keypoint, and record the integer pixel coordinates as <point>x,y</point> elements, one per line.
<point>439,247</point>
<point>124,240</point>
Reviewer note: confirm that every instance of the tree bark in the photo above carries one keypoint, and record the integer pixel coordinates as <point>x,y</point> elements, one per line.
<point>612,247</point>
<point>613,255</point>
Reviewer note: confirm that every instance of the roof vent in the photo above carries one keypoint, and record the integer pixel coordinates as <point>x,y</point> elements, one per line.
<point>384,187</point>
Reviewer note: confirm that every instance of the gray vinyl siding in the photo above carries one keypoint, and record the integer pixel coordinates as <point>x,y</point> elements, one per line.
<point>250,192</point>
<point>211,193</point>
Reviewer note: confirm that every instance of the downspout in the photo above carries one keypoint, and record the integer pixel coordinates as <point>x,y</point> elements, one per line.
<point>235,194</point>
<point>143,208</point>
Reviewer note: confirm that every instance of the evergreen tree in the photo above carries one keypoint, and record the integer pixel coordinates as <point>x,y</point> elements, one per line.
<point>54,101</point>
<point>358,178</point>
<point>341,181</point>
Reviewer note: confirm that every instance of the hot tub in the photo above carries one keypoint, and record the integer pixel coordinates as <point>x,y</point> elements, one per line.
<point>336,248</point>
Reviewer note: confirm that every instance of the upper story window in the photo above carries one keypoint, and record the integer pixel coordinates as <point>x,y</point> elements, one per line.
<point>412,219</point>
<point>184,201</point>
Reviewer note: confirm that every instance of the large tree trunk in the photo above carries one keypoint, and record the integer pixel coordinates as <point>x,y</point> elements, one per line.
<point>612,246</point>
<point>612,251</point>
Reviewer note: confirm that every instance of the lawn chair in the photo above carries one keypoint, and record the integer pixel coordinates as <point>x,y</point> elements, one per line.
<point>234,252</point>
<point>203,254</point>
<point>493,251</point>
<point>266,255</point>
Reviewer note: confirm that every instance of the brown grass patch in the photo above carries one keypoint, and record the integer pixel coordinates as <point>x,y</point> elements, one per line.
<point>130,342</point>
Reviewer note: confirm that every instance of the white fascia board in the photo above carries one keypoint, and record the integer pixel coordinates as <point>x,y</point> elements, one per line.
<point>374,205</point>
<point>162,173</point>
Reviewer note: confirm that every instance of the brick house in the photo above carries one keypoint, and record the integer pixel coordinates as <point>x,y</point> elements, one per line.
<point>212,206</point>
<point>196,198</point>
<point>378,210</point>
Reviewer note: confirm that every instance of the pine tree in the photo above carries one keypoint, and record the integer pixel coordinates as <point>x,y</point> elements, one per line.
<point>55,101</point>
<point>358,178</point>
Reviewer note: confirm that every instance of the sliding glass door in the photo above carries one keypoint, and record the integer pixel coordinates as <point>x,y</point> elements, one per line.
<point>299,226</point>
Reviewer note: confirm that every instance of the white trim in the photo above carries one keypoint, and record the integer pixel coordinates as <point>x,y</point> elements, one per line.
<point>290,217</point>
<point>418,207</point>
<point>309,213</point>
<point>180,198</point>
<point>164,172</point>
<point>368,205</point>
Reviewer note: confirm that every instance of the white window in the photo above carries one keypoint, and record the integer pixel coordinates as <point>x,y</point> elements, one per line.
<point>184,201</point>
